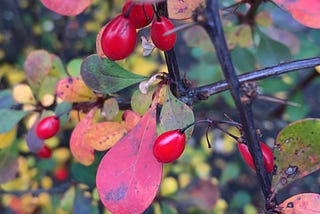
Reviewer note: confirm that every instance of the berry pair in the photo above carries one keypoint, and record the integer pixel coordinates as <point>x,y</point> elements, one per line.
<point>266,153</point>
<point>118,39</point>
<point>45,129</point>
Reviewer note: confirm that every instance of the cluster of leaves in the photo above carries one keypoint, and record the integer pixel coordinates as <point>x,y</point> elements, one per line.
<point>111,148</point>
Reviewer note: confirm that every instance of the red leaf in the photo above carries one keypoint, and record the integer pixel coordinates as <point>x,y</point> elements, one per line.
<point>67,8</point>
<point>80,149</point>
<point>129,176</point>
<point>304,11</point>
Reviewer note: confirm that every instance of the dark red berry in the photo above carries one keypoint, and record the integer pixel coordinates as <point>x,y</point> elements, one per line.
<point>45,152</point>
<point>61,174</point>
<point>48,127</point>
<point>160,26</point>
<point>118,39</point>
<point>266,153</point>
<point>169,146</point>
<point>140,14</point>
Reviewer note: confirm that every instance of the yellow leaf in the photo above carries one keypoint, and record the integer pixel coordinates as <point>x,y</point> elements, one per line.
<point>102,136</point>
<point>73,89</point>
<point>7,138</point>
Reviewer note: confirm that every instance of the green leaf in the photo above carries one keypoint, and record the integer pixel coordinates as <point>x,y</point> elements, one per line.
<point>8,165</point>
<point>105,76</point>
<point>238,56</point>
<point>74,67</point>
<point>9,118</point>
<point>230,172</point>
<point>175,114</point>
<point>62,109</point>
<point>271,52</point>
<point>297,112</point>
<point>297,151</point>
<point>6,99</point>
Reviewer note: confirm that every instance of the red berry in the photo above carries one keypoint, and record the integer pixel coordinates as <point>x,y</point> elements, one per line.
<point>61,174</point>
<point>266,153</point>
<point>48,127</point>
<point>169,146</point>
<point>158,28</point>
<point>140,14</point>
<point>45,152</point>
<point>118,39</point>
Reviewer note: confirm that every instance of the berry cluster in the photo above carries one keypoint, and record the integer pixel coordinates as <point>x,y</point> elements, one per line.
<point>46,128</point>
<point>118,39</point>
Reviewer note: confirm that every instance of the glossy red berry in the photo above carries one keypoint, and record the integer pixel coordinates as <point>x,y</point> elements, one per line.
<point>118,39</point>
<point>140,14</point>
<point>160,26</point>
<point>61,174</point>
<point>169,146</point>
<point>266,153</point>
<point>48,127</point>
<point>45,152</point>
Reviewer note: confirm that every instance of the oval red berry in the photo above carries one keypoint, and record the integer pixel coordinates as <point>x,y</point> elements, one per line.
<point>48,127</point>
<point>118,39</point>
<point>158,28</point>
<point>169,146</point>
<point>266,153</point>
<point>140,14</point>
<point>45,152</point>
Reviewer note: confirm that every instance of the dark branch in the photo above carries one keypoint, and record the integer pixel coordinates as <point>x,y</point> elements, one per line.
<point>268,72</point>
<point>178,86</point>
<point>213,26</point>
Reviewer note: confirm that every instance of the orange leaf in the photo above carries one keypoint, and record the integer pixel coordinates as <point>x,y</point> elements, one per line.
<point>82,151</point>
<point>131,118</point>
<point>178,9</point>
<point>301,204</point>
<point>304,11</point>
<point>73,89</point>
<point>98,42</point>
<point>102,136</point>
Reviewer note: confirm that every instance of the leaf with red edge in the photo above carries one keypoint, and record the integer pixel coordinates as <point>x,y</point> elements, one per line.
<point>129,176</point>
<point>304,11</point>
<point>36,66</point>
<point>301,204</point>
<point>73,89</point>
<point>178,9</point>
<point>297,151</point>
<point>67,8</point>
<point>102,136</point>
<point>80,149</point>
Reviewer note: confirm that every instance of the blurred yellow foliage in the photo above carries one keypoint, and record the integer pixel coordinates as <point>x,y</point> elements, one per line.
<point>61,154</point>
<point>46,182</point>
<point>169,185</point>
<point>7,138</point>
